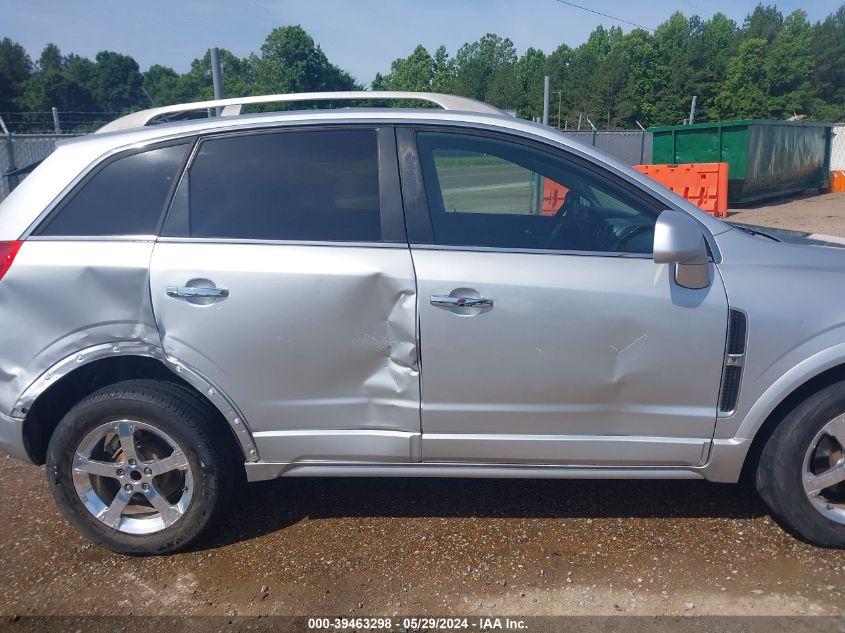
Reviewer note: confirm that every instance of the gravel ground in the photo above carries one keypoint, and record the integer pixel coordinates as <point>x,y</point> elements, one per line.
<point>823,214</point>
<point>442,547</point>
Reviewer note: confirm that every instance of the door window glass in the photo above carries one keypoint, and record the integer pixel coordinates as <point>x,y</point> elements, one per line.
<point>484,191</point>
<point>303,185</point>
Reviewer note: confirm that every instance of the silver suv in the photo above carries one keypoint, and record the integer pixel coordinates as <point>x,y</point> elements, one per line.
<point>397,292</point>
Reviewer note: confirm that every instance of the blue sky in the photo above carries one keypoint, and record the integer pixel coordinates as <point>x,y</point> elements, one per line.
<point>361,36</point>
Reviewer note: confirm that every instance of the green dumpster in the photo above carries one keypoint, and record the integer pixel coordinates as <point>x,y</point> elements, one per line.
<point>766,159</point>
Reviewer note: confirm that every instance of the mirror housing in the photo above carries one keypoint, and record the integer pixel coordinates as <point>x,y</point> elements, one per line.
<point>678,240</point>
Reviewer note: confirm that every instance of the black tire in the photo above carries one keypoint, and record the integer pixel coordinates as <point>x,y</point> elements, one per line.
<point>780,470</point>
<point>166,407</point>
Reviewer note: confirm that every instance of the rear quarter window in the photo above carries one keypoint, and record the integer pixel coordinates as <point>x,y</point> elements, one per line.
<point>124,197</point>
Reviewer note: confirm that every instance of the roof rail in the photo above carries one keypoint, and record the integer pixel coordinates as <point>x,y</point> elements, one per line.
<point>233,107</point>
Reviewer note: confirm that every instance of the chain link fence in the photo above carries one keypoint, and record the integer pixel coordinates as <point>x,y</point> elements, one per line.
<point>632,147</point>
<point>19,153</point>
<point>56,122</point>
<point>837,148</point>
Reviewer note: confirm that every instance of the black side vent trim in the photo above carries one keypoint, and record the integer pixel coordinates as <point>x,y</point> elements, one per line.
<point>734,361</point>
<point>736,332</point>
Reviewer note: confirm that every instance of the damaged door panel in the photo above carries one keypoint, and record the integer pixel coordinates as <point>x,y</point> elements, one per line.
<point>581,360</point>
<point>316,344</point>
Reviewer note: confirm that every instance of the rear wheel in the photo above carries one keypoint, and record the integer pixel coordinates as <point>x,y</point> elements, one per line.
<point>136,468</point>
<point>801,474</point>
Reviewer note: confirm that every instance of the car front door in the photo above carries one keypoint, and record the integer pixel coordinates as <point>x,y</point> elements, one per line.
<point>283,276</point>
<point>548,334</point>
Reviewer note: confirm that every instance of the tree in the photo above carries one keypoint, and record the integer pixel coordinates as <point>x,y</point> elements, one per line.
<point>444,71</point>
<point>117,83</point>
<point>503,90</point>
<point>415,72</point>
<point>789,67</point>
<point>529,71</point>
<point>165,86</point>
<point>290,61</point>
<point>15,68</point>
<point>712,48</point>
<point>52,87</point>
<point>770,66</point>
<point>476,64</point>
<point>828,51</point>
<point>744,93</point>
<point>763,23</point>
<point>673,90</point>
<point>645,78</point>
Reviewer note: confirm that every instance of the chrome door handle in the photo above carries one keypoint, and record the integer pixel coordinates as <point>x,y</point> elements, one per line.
<point>448,301</point>
<point>188,292</point>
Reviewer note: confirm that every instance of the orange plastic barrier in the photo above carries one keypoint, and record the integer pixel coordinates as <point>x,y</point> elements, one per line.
<point>703,184</point>
<point>837,180</point>
<point>553,196</point>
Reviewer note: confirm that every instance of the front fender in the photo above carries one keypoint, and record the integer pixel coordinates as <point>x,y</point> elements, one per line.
<point>798,375</point>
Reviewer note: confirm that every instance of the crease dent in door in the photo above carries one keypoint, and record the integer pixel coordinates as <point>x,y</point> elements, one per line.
<point>394,367</point>
<point>626,359</point>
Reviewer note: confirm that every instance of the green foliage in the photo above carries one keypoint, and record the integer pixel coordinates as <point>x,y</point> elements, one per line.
<point>15,68</point>
<point>290,61</point>
<point>770,66</point>
<point>745,89</point>
<point>476,64</point>
<point>828,51</point>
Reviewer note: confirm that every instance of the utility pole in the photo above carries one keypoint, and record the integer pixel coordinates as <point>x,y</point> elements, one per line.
<point>56,127</point>
<point>216,75</point>
<point>642,141</point>
<point>546,86</point>
<point>559,99</point>
<point>692,110</point>
<point>594,130</point>
<point>10,152</point>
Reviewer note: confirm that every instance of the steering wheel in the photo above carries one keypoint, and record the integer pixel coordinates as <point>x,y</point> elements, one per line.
<point>630,233</point>
<point>568,210</point>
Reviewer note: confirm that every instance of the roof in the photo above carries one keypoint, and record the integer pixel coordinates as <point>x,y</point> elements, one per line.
<point>234,106</point>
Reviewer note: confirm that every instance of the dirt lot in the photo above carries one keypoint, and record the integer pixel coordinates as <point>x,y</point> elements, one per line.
<point>412,547</point>
<point>823,214</point>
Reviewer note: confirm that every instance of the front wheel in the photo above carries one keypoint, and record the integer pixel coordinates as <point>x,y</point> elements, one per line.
<point>135,467</point>
<point>801,473</point>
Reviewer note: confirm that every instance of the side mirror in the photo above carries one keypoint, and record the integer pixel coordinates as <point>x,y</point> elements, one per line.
<point>678,240</point>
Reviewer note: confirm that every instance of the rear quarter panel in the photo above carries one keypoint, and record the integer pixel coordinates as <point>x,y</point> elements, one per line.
<point>61,296</point>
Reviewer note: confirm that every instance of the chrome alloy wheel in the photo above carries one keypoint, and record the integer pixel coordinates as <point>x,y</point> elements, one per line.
<point>132,476</point>
<point>823,472</point>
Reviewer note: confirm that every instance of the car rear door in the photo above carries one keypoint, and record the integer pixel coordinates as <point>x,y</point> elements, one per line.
<point>548,333</point>
<point>284,277</point>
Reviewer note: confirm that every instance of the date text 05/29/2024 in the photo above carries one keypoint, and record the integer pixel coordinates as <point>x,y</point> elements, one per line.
<point>416,624</point>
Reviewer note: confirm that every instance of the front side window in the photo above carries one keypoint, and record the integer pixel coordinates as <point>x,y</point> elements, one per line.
<point>489,192</point>
<point>296,185</point>
<point>125,197</point>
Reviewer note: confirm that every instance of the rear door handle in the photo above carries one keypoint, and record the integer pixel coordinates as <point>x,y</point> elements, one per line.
<point>449,301</point>
<point>189,292</point>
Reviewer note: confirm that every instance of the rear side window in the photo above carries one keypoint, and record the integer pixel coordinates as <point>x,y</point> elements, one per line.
<point>126,197</point>
<point>320,185</point>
